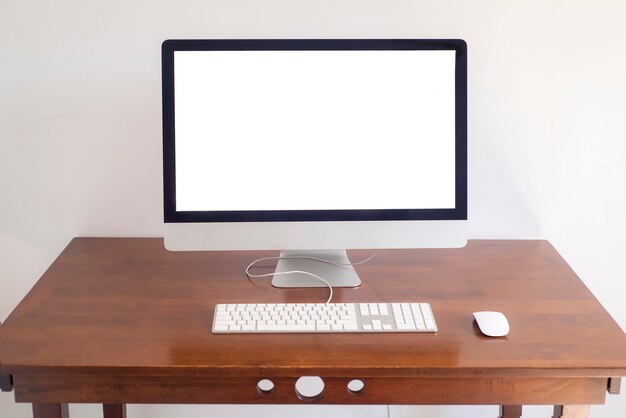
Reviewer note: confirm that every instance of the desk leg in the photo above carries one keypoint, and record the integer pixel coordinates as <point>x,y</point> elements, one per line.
<point>114,410</point>
<point>510,411</point>
<point>571,411</point>
<point>50,410</point>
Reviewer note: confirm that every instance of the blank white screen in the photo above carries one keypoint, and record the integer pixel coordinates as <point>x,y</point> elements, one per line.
<point>307,130</point>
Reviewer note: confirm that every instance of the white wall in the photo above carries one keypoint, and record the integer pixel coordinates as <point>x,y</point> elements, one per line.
<point>80,131</point>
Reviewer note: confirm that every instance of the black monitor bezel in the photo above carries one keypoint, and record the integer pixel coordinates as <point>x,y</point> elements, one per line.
<point>171,215</point>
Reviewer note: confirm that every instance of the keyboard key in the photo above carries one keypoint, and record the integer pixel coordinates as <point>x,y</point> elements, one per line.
<point>286,328</point>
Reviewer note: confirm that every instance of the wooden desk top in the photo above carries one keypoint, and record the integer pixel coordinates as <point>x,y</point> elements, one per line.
<point>128,306</point>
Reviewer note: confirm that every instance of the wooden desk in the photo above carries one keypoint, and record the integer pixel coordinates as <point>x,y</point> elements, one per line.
<point>118,321</point>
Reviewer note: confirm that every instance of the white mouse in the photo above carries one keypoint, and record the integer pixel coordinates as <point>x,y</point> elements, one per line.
<point>492,324</point>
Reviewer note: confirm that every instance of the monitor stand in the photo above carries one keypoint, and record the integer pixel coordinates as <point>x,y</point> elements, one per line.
<point>343,275</point>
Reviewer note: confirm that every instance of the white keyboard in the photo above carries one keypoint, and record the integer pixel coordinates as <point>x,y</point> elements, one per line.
<point>322,318</point>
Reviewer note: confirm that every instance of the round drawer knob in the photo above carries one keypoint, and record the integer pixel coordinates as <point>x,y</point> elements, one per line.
<point>356,386</point>
<point>265,386</point>
<point>309,388</point>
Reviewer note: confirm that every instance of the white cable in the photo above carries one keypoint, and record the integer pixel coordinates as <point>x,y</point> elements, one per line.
<point>305,257</point>
<point>290,272</point>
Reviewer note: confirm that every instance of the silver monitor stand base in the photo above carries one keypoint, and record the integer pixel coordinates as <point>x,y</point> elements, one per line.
<point>338,276</point>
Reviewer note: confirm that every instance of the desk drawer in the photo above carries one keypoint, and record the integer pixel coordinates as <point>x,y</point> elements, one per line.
<point>378,390</point>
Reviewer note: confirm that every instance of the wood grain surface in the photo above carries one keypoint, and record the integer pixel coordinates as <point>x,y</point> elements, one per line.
<point>116,307</point>
<point>377,391</point>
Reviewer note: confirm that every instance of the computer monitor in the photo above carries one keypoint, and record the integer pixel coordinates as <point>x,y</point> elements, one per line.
<point>314,147</point>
